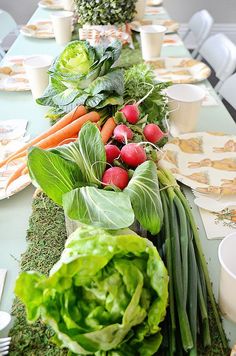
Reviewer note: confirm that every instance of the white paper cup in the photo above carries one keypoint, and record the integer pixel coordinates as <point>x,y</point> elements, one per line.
<point>184,102</point>
<point>227,288</point>
<point>36,68</point>
<point>68,5</point>
<point>140,7</point>
<point>62,26</point>
<point>151,41</point>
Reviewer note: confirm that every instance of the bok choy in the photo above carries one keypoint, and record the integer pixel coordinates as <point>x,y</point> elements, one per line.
<point>71,176</point>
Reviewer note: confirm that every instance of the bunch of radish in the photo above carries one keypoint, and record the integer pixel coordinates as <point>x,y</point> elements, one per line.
<point>131,154</point>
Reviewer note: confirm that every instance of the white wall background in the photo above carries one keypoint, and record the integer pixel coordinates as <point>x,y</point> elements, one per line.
<point>21,10</point>
<point>223,11</point>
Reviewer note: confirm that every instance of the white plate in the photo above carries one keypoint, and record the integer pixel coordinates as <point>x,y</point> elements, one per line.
<point>40,29</point>
<point>171,25</point>
<point>154,2</point>
<point>172,40</point>
<point>152,11</point>
<point>180,70</point>
<point>204,161</point>
<point>12,75</point>
<point>51,4</point>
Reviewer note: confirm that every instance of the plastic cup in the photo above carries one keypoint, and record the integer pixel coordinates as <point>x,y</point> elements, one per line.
<point>184,101</point>
<point>227,288</point>
<point>36,68</point>
<point>140,7</point>
<point>68,5</point>
<point>62,26</point>
<point>151,41</point>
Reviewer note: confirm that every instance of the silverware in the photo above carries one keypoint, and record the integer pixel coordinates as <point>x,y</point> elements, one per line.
<point>4,345</point>
<point>3,273</point>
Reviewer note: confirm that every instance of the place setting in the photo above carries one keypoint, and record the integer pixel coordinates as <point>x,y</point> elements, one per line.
<point>67,5</point>
<point>154,2</point>
<point>203,161</point>
<point>169,69</point>
<point>42,29</point>
<point>171,25</point>
<point>12,75</point>
<point>51,4</point>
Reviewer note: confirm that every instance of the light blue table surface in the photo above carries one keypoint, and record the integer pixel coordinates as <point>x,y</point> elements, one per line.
<point>15,211</point>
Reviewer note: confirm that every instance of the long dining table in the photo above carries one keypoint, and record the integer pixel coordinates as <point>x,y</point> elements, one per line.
<point>15,211</point>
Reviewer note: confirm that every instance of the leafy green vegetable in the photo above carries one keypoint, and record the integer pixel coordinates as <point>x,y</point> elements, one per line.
<point>76,59</point>
<point>87,152</point>
<point>82,75</point>
<point>143,190</point>
<point>107,293</point>
<point>137,84</point>
<point>101,208</point>
<point>71,176</point>
<point>56,175</point>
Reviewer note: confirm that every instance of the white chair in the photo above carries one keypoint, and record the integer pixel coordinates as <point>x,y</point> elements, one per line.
<point>220,52</point>
<point>199,26</point>
<point>228,90</point>
<point>7,25</point>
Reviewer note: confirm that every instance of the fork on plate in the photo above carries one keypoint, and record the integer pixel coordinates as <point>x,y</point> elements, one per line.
<point>4,345</point>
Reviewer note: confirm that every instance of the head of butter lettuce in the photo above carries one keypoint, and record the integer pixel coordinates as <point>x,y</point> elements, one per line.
<point>106,296</point>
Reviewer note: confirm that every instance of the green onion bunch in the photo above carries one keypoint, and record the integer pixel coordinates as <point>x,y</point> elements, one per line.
<point>190,290</point>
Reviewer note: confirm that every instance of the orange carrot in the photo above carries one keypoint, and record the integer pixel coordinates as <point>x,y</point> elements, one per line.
<point>53,140</point>
<point>107,129</point>
<point>66,120</point>
<point>16,174</point>
<point>66,132</point>
<point>69,131</point>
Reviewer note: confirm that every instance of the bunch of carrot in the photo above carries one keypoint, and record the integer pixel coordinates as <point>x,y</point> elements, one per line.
<point>64,131</point>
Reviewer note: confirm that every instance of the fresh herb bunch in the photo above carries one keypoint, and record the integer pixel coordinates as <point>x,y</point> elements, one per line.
<point>138,80</point>
<point>99,12</point>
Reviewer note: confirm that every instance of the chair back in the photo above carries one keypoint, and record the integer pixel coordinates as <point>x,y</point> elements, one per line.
<point>200,25</point>
<point>220,52</point>
<point>228,90</point>
<point>7,24</point>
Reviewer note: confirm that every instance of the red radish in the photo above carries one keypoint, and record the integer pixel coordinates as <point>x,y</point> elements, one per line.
<point>133,154</point>
<point>153,133</point>
<point>122,133</point>
<point>112,152</point>
<point>116,176</point>
<point>131,113</point>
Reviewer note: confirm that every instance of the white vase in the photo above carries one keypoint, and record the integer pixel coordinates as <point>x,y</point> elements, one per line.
<point>140,9</point>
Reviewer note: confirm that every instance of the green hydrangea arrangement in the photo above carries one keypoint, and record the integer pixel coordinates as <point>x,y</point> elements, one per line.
<point>99,12</point>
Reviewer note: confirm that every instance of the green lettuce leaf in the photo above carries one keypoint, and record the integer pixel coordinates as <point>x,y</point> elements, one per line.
<point>103,208</point>
<point>54,175</point>
<point>143,190</point>
<point>100,294</point>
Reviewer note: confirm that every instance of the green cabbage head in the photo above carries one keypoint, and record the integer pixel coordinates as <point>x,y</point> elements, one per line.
<point>106,295</point>
<point>77,58</point>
